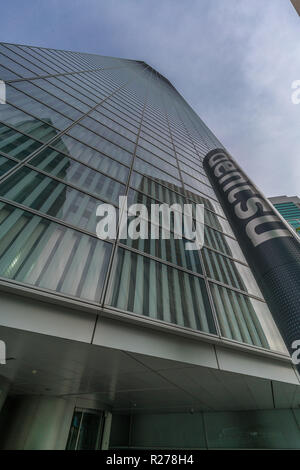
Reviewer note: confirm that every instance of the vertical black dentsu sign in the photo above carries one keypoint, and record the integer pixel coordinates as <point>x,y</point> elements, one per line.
<point>270,247</point>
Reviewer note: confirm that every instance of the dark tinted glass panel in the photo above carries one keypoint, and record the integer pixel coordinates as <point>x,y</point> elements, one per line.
<point>51,161</point>
<point>147,169</point>
<point>172,250</point>
<point>51,197</point>
<point>36,108</point>
<point>237,317</point>
<point>23,122</point>
<point>6,165</point>
<point>44,254</point>
<point>16,144</point>
<point>147,287</point>
<point>69,145</point>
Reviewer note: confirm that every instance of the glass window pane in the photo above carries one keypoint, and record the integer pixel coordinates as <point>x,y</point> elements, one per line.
<point>104,115</point>
<point>74,430</point>
<point>29,104</point>
<point>38,252</point>
<point>96,126</point>
<point>14,66</point>
<point>12,52</point>
<point>6,74</point>
<point>69,145</point>
<point>51,197</point>
<point>201,189</point>
<point>6,165</point>
<point>154,172</point>
<point>172,250</point>
<point>25,123</point>
<point>49,159</point>
<point>158,162</point>
<point>15,144</point>
<point>259,429</point>
<point>222,243</point>
<point>71,88</point>
<point>61,94</point>
<point>147,287</point>
<point>154,189</point>
<point>36,92</point>
<point>196,182</point>
<point>193,170</point>
<point>90,432</point>
<point>96,139</point>
<point>237,315</point>
<point>230,272</point>
<point>86,179</point>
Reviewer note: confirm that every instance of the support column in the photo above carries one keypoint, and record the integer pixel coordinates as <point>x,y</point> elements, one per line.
<point>38,423</point>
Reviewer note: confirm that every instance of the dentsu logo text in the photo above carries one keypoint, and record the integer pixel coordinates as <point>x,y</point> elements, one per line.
<point>164,222</point>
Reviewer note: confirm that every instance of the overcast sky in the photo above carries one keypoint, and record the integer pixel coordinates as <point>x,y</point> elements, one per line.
<point>233,60</point>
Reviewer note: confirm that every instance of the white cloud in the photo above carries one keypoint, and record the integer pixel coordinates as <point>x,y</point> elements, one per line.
<point>233,60</point>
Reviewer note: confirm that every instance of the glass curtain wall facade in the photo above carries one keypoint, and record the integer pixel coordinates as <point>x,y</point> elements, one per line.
<point>81,129</point>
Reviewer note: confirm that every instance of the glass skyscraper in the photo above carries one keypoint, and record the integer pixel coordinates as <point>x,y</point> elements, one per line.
<point>289,208</point>
<point>78,130</point>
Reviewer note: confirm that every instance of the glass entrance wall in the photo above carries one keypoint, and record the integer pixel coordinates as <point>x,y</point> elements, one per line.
<point>86,430</point>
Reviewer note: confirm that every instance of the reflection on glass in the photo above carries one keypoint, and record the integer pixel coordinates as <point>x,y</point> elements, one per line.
<point>96,126</point>
<point>36,251</point>
<point>56,105</point>
<point>158,162</point>
<point>15,144</point>
<point>51,197</point>
<point>148,169</point>
<point>202,189</point>
<point>98,139</point>
<point>86,431</point>
<point>196,182</point>
<point>171,250</point>
<point>6,165</point>
<point>237,317</point>
<point>268,324</point>
<point>216,240</point>
<point>75,148</point>
<point>49,159</point>
<point>85,178</point>
<point>230,272</point>
<point>147,287</point>
<point>37,109</point>
<point>155,189</point>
